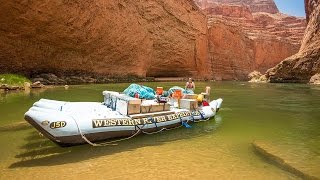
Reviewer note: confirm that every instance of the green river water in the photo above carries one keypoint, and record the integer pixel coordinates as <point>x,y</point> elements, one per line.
<point>284,115</point>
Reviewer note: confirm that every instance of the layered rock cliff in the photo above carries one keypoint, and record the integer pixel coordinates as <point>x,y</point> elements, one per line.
<point>248,35</point>
<point>306,63</point>
<point>103,38</point>
<point>267,6</point>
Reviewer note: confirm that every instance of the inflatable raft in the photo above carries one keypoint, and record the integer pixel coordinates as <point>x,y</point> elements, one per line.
<point>72,123</point>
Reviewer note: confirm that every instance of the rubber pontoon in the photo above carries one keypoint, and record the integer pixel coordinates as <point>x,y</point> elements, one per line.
<point>72,123</point>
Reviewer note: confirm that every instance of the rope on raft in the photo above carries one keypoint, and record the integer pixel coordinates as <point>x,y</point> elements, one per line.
<point>135,134</point>
<point>162,129</point>
<point>202,118</point>
<point>105,143</point>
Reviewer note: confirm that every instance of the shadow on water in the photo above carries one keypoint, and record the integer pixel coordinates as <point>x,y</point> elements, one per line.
<point>15,127</point>
<point>41,152</point>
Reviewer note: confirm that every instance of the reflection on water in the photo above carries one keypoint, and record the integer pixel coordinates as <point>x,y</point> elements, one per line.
<point>27,92</point>
<point>38,151</point>
<point>279,113</point>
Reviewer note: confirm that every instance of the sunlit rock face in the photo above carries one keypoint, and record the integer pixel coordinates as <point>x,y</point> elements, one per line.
<point>306,63</point>
<point>114,38</point>
<point>247,35</point>
<point>267,6</point>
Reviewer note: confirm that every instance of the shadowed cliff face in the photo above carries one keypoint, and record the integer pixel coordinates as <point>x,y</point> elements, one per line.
<point>228,48</point>
<point>306,63</point>
<point>247,35</point>
<point>147,37</point>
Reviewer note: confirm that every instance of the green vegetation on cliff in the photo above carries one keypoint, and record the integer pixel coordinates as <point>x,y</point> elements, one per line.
<point>13,79</point>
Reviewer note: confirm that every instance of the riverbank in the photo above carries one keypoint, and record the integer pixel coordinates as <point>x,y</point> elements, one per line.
<point>81,79</point>
<point>12,82</point>
<point>13,79</point>
<point>77,79</point>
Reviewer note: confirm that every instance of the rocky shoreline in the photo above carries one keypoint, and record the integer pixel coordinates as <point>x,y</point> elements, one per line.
<point>26,85</point>
<point>75,79</point>
<point>257,77</point>
<point>315,79</point>
<point>83,78</point>
<point>50,79</point>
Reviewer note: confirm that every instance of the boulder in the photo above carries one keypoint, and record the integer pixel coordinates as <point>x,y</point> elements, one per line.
<point>290,158</point>
<point>254,75</point>
<point>27,85</point>
<point>257,77</point>
<point>37,84</point>
<point>4,86</point>
<point>315,79</point>
<point>7,87</point>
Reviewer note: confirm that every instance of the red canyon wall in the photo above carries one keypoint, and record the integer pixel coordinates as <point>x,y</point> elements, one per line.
<point>225,40</point>
<point>306,63</point>
<point>248,35</point>
<point>144,38</point>
<point>267,6</point>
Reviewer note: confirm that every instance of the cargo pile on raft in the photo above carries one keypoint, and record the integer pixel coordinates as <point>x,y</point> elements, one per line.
<point>137,110</point>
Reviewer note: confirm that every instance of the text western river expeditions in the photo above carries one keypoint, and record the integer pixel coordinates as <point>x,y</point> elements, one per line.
<point>98,123</point>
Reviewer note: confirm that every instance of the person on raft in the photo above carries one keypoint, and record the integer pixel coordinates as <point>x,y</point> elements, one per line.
<point>190,85</point>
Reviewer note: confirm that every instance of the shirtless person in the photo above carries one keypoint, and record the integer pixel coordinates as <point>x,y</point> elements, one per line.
<point>190,85</point>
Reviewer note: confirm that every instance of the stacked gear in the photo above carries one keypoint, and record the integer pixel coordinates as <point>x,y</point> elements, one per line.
<point>174,88</point>
<point>143,91</point>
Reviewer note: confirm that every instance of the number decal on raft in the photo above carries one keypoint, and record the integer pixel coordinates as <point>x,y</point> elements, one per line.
<point>58,124</point>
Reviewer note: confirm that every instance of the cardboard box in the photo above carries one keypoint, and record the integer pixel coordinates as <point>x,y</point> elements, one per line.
<point>127,105</point>
<point>190,104</point>
<point>155,107</point>
<point>190,96</point>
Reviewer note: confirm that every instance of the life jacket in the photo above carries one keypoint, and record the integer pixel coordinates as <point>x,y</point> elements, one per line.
<point>205,103</point>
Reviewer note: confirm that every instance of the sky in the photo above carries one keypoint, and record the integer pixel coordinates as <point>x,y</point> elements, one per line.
<point>291,7</point>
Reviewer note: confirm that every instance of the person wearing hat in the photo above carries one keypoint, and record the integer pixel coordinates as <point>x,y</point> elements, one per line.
<point>190,85</point>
